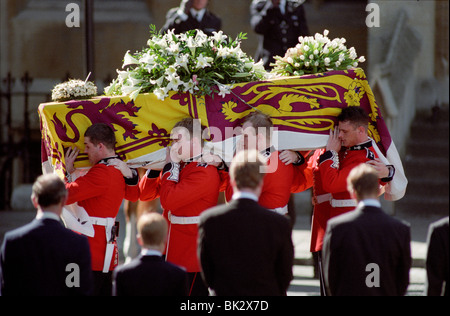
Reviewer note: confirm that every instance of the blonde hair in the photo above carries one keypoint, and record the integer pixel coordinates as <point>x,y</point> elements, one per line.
<point>49,190</point>
<point>152,227</point>
<point>247,169</point>
<point>363,180</point>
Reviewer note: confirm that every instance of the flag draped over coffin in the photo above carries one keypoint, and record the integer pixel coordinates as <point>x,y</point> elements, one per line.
<point>303,109</point>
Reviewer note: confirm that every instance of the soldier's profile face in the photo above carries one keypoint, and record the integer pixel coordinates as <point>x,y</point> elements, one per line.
<point>92,150</point>
<point>250,140</point>
<point>181,143</point>
<point>348,134</point>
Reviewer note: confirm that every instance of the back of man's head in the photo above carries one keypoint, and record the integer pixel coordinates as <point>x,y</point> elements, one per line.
<point>247,169</point>
<point>152,229</point>
<point>101,133</point>
<point>363,182</point>
<point>49,190</point>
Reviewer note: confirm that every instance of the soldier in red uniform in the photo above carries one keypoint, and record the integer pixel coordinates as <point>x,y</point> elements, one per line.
<point>277,183</point>
<point>347,147</point>
<point>186,187</point>
<point>100,192</point>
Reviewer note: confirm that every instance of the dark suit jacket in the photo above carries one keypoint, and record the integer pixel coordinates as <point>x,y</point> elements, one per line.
<point>210,23</point>
<point>356,239</point>
<point>149,276</point>
<point>35,258</point>
<point>437,258</point>
<point>278,32</point>
<point>245,249</point>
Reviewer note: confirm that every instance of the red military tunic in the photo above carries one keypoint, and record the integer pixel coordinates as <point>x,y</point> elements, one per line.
<point>100,192</point>
<point>276,189</point>
<point>185,191</point>
<point>330,172</point>
<point>303,178</point>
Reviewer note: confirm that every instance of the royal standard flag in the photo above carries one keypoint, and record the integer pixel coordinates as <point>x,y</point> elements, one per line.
<point>303,110</point>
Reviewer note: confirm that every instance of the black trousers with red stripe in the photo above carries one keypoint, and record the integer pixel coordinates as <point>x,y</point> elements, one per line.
<point>196,285</point>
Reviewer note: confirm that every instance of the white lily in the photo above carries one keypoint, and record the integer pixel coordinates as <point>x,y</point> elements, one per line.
<point>122,75</point>
<point>129,60</point>
<point>174,48</point>
<point>171,72</point>
<point>223,90</point>
<point>190,86</point>
<point>259,67</point>
<point>131,90</point>
<point>203,62</point>
<point>200,38</point>
<point>158,82</point>
<point>160,93</point>
<point>191,44</point>
<point>183,61</point>
<point>219,37</point>
<point>147,59</point>
<point>134,81</point>
<point>174,83</point>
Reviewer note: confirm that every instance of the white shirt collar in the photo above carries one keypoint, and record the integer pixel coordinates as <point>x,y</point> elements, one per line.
<point>369,202</point>
<point>198,14</point>
<point>244,195</point>
<point>150,252</point>
<point>48,215</point>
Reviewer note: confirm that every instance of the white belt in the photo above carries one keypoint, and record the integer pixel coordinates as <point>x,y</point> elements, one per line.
<point>280,210</point>
<point>183,220</point>
<point>108,223</point>
<point>334,203</point>
<point>102,221</point>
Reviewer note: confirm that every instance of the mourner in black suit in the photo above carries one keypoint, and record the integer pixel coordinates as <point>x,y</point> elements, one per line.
<point>437,258</point>
<point>366,251</point>
<point>191,15</point>
<point>149,274</point>
<point>245,249</point>
<point>43,257</point>
<point>279,23</point>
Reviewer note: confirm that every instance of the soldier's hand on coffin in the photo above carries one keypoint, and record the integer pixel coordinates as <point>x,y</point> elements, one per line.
<point>288,157</point>
<point>212,159</point>
<point>121,166</point>
<point>69,158</point>
<point>382,169</point>
<point>334,143</point>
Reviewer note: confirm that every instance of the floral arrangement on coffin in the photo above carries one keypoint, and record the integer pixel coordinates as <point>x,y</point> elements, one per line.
<point>74,89</point>
<point>316,54</point>
<point>190,62</point>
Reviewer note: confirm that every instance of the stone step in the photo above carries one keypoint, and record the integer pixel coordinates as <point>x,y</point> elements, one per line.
<point>418,205</point>
<point>429,130</point>
<point>434,167</point>
<point>424,147</point>
<point>426,187</point>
